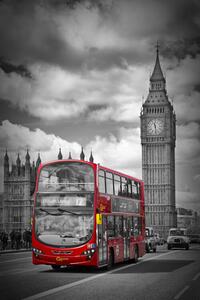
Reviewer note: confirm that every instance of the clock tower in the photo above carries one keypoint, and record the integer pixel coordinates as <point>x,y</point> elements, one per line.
<point>158,136</point>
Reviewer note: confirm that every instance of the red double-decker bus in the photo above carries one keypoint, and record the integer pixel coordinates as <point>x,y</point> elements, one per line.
<point>86,214</point>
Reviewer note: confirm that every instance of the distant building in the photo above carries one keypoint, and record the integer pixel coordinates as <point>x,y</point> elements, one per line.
<point>158,137</point>
<point>187,218</point>
<point>17,201</point>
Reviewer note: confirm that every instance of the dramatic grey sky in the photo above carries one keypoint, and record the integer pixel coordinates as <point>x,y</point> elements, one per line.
<point>74,73</point>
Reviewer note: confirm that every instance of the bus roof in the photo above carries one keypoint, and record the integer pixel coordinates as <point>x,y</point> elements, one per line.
<point>92,164</point>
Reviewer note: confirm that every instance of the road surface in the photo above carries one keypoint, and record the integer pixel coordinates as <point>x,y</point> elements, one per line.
<point>166,275</point>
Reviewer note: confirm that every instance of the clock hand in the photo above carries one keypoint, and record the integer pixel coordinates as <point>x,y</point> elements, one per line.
<point>155,127</point>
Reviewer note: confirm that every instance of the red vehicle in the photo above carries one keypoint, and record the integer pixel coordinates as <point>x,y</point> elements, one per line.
<point>86,214</point>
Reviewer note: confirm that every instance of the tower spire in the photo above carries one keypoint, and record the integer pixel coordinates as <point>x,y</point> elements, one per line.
<point>6,158</point>
<point>60,154</point>
<point>157,47</point>
<point>82,155</point>
<point>18,165</point>
<point>6,165</point>
<point>38,162</point>
<point>27,157</point>
<point>18,161</point>
<point>157,74</point>
<point>91,157</point>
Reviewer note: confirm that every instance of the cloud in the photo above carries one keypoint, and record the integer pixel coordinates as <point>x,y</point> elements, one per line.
<point>197,177</point>
<point>187,165</point>
<point>188,131</point>
<point>67,35</point>
<point>182,48</point>
<point>32,35</point>
<point>9,68</point>
<point>97,53</point>
<point>188,200</point>
<point>17,138</point>
<point>57,94</point>
<point>44,96</point>
<point>188,144</point>
<point>182,86</point>
<point>121,153</point>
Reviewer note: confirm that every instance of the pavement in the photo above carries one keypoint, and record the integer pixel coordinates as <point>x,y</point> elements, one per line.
<point>14,250</point>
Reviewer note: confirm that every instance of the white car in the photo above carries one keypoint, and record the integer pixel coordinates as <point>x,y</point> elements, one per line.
<point>178,239</point>
<point>150,240</point>
<point>159,240</point>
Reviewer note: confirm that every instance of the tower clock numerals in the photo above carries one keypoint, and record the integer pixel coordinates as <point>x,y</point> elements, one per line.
<point>155,126</point>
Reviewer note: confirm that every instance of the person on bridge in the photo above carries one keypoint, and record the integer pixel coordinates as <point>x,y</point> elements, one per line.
<point>27,238</point>
<point>13,238</point>
<point>4,240</point>
<point>18,237</point>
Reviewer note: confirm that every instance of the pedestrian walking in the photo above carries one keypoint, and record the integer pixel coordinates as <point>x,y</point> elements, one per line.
<point>4,239</point>
<point>13,239</point>
<point>18,239</point>
<point>1,238</point>
<point>25,238</point>
<point>29,237</point>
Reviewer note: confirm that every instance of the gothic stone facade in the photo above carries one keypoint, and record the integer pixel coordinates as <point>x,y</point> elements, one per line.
<point>158,136</point>
<point>17,201</point>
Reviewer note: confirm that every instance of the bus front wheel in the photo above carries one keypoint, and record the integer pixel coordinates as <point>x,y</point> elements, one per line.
<point>136,254</point>
<point>110,260</point>
<point>55,267</point>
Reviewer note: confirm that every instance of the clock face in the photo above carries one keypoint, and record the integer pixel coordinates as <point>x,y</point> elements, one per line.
<point>155,126</point>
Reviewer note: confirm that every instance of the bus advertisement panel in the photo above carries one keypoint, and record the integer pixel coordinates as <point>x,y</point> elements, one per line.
<point>85,214</point>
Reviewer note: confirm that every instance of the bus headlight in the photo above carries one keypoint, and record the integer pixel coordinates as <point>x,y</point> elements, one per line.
<point>37,251</point>
<point>88,252</point>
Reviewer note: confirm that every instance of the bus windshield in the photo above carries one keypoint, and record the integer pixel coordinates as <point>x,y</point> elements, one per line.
<point>64,207</point>
<point>71,176</point>
<point>63,227</point>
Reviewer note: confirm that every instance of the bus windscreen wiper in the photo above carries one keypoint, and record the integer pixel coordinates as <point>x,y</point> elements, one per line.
<point>68,211</point>
<point>49,213</point>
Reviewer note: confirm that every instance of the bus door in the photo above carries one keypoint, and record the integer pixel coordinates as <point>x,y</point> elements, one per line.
<point>126,235</point>
<point>102,239</point>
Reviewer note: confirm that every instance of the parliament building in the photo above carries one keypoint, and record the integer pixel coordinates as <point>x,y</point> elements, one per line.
<point>17,200</point>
